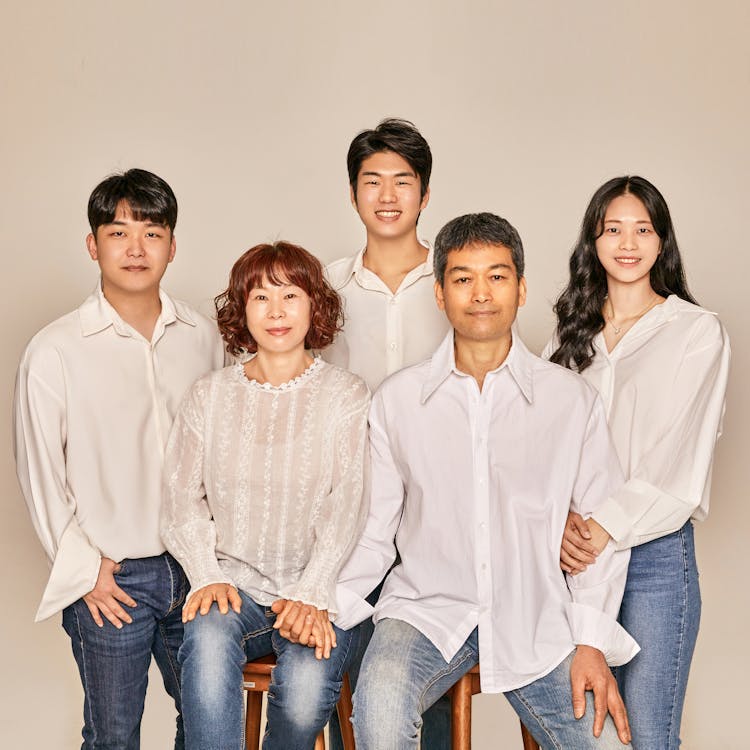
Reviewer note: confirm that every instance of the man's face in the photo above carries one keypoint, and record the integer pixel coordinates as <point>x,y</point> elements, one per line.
<point>132,255</point>
<point>481,293</point>
<point>388,197</point>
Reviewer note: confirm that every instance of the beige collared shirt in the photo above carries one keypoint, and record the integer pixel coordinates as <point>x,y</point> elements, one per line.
<point>383,331</point>
<point>93,406</point>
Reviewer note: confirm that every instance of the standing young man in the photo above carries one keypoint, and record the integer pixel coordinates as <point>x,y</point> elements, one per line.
<point>95,397</point>
<point>477,456</point>
<point>390,317</point>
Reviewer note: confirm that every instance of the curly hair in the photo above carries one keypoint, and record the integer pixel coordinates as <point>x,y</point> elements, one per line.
<point>579,307</point>
<point>280,263</point>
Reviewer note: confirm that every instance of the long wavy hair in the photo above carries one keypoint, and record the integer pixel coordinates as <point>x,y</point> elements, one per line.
<point>579,307</point>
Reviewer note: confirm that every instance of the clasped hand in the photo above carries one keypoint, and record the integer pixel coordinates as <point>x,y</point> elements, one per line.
<point>305,624</point>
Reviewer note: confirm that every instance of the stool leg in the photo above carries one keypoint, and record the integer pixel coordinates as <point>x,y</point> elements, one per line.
<point>461,714</point>
<point>320,742</point>
<point>529,743</point>
<point>252,720</point>
<point>344,710</point>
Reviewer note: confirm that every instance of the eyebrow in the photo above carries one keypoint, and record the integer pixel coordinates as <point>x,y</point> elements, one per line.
<point>394,174</point>
<point>619,221</point>
<point>120,223</point>
<point>468,269</point>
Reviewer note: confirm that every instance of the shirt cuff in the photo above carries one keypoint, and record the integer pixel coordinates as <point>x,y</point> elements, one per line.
<point>592,627</point>
<point>352,608</point>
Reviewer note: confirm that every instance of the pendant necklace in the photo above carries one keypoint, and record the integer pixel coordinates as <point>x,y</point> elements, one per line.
<point>619,329</point>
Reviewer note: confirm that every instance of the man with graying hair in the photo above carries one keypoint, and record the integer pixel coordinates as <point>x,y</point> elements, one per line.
<point>478,454</point>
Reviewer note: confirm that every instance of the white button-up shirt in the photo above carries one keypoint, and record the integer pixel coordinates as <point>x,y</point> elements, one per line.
<point>383,331</point>
<point>663,387</point>
<point>473,488</point>
<point>93,407</point>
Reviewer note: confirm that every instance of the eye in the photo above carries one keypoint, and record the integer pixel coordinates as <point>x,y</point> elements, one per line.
<point>117,233</point>
<point>462,280</point>
<point>497,277</point>
<point>260,297</point>
<point>645,230</point>
<point>290,295</point>
<point>611,230</point>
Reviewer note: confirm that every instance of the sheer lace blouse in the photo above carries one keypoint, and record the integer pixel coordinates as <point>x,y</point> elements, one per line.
<point>264,484</point>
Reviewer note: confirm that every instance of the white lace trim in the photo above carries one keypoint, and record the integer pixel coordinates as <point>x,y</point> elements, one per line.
<point>309,371</point>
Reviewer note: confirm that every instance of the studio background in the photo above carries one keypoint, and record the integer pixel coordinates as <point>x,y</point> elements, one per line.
<point>247,109</point>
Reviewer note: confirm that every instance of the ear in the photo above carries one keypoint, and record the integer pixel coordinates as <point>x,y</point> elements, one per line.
<point>522,291</point>
<point>91,246</point>
<point>353,196</point>
<point>439,297</point>
<point>172,248</point>
<point>425,200</point>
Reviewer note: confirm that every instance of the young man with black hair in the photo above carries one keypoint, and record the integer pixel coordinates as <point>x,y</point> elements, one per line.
<point>390,317</point>
<point>95,397</point>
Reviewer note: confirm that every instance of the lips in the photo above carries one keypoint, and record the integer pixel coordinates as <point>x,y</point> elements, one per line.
<point>389,215</point>
<point>628,261</point>
<point>135,269</point>
<point>278,331</point>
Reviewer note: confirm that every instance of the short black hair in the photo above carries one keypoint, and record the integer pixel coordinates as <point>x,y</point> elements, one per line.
<point>476,229</point>
<point>392,134</point>
<point>148,196</point>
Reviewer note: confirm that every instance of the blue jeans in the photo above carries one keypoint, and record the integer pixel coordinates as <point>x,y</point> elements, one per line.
<point>303,690</point>
<point>661,609</point>
<point>436,726</point>
<point>403,673</point>
<point>113,663</point>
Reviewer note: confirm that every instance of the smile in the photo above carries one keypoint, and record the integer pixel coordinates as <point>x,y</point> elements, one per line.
<point>278,331</point>
<point>390,214</point>
<point>628,261</point>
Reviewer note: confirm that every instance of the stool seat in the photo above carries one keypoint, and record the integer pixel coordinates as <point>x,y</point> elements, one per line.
<point>460,695</point>
<point>256,679</point>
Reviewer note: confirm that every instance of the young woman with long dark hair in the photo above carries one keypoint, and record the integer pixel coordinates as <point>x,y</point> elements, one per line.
<point>628,324</point>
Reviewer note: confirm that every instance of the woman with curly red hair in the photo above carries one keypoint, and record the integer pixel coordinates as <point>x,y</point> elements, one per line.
<point>263,502</point>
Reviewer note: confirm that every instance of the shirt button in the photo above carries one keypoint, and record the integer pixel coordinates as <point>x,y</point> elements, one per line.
<point>484,566</point>
<point>393,300</point>
<point>393,346</point>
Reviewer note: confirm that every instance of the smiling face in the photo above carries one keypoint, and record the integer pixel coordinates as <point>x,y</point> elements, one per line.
<point>388,197</point>
<point>628,245</point>
<point>278,316</point>
<point>481,293</point>
<point>132,255</point>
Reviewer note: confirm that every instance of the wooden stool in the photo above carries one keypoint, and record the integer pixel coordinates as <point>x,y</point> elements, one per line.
<point>460,695</point>
<point>256,678</point>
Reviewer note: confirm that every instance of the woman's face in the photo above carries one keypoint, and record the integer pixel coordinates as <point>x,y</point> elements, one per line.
<point>628,245</point>
<point>278,316</point>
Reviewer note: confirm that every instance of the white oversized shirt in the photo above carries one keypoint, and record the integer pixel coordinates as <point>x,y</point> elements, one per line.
<point>663,387</point>
<point>93,407</point>
<point>383,331</point>
<point>472,489</point>
<point>264,485</point>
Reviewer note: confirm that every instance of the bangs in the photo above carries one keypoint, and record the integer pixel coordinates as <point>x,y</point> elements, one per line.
<point>280,264</point>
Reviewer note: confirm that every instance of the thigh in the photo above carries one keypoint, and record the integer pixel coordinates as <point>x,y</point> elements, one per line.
<point>403,673</point>
<point>546,708</point>
<point>113,664</point>
<point>661,610</point>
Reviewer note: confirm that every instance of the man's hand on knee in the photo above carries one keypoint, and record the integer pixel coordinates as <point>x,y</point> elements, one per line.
<point>224,594</point>
<point>589,671</point>
<point>106,598</point>
<point>305,624</point>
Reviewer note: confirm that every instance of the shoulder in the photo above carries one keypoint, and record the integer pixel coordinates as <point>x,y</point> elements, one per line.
<point>188,314</point>
<point>52,340</point>
<point>560,382</point>
<point>340,271</point>
<point>342,381</point>
<point>701,325</point>
<point>406,382</point>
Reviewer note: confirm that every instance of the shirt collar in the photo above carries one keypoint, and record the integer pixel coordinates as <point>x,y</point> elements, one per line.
<point>96,314</point>
<point>520,364</point>
<point>358,271</point>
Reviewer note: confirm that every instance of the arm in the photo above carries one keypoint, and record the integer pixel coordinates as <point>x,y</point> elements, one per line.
<point>340,515</point>
<point>665,489</point>
<point>40,434</point>
<point>186,523</point>
<point>376,550</point>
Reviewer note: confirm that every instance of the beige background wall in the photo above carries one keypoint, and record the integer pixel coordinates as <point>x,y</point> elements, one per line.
<point>247,110</point>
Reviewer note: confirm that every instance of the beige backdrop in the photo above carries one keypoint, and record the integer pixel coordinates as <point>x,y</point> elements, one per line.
<point>247,109</point>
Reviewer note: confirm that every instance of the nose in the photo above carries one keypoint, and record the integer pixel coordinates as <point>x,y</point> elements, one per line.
<point>135,247</point>
<point>628,239</point>
<point>481,290</point>
<point>275,310</point>
<point>387,192</point>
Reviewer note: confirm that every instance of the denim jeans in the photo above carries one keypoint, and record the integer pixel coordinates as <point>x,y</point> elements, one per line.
<point>403,673</point>
<point>303,690</point>
<point>436,726</point>
<point>113,663</point>
<point>661,609</point>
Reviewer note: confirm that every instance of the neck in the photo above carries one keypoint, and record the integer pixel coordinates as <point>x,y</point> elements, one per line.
<point>392,259</point>
<point>277,368</point>
<point>138,310</point>
<point>627,300</point>
<point>477,358</point>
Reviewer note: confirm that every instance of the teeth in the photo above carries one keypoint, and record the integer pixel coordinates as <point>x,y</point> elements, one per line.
<point>388,214</point>
<point>627,260</point>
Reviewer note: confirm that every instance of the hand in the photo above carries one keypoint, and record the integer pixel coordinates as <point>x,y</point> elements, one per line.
<point>224,594</point>
<point>106,597</point>
<point>589,671</point>
<point>305,624</point>
<point>582,541</point>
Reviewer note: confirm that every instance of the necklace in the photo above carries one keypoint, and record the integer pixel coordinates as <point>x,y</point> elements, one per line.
<point>620,329</point>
